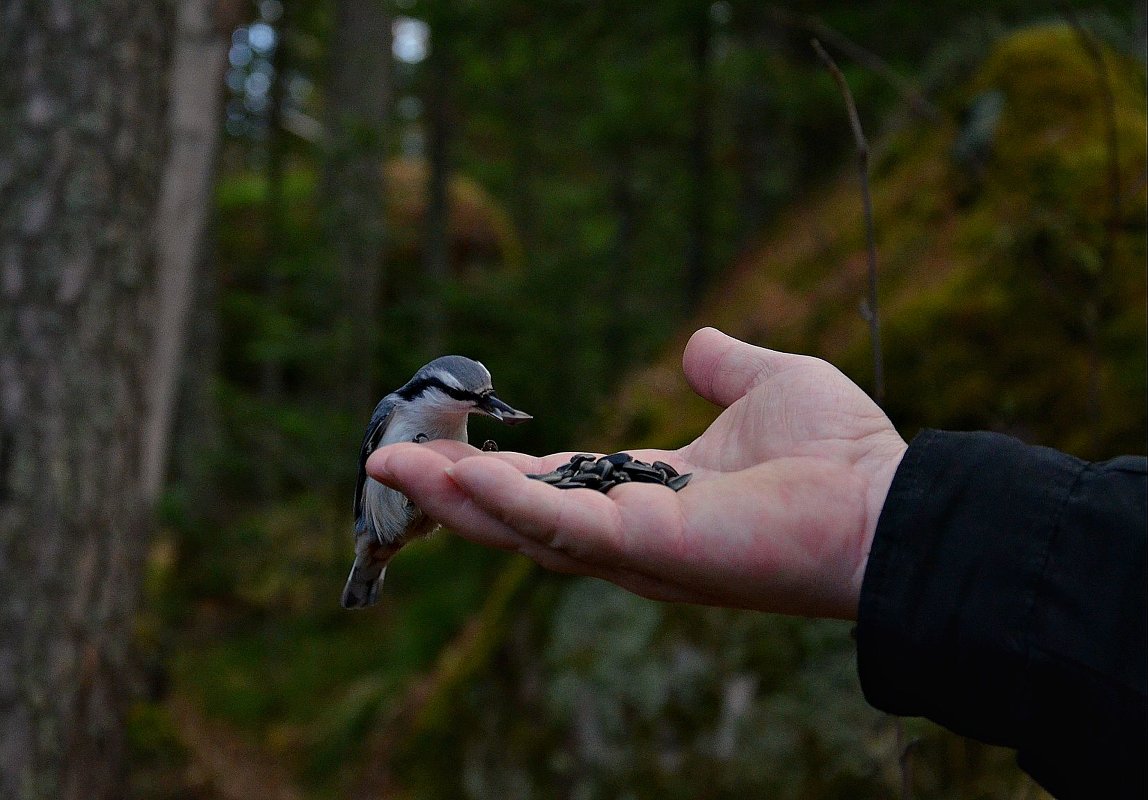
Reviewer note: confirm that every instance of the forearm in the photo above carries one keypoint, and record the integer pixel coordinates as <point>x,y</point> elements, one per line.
<point>1005,599</point>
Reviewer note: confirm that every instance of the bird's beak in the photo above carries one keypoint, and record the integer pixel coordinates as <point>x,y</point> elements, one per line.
<point>493,407</point>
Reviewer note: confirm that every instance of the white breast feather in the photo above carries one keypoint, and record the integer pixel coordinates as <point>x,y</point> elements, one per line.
<point>441,417</point>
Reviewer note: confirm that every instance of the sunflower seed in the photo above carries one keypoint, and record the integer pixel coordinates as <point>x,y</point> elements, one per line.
<point>547,477</point>
<point>583,471</point>
<point>643,473</point>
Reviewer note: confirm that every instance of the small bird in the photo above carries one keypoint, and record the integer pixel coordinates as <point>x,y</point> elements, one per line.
<point>434,404</point>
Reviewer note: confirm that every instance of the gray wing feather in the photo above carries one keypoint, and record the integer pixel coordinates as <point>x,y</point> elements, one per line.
<point>375,431</point>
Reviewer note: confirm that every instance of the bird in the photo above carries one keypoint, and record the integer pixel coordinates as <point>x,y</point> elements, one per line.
<point>434,404</point>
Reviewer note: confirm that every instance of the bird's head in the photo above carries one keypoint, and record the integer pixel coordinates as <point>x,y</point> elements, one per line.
<point>456,385</point>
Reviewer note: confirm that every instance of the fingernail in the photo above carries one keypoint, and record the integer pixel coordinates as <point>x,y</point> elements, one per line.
<point>453,478</point>
<point>377,465</point>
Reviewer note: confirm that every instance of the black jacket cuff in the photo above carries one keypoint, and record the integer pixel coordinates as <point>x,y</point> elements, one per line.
<point>1004,598</point>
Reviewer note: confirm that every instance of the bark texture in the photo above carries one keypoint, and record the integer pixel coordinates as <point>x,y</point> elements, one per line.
<point>436,248</point>
<point>82,98</point>
<point>359,97</point>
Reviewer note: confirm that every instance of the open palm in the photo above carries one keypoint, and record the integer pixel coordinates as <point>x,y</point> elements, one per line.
<point>788,484</point>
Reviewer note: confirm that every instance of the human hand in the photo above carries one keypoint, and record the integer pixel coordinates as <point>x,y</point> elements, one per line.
<point>788,485</point>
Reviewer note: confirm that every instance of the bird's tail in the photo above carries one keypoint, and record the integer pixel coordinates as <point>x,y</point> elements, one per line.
<point>362,589</point>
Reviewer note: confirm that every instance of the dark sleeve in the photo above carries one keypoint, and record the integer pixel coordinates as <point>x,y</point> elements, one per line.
<point>1005,598</point>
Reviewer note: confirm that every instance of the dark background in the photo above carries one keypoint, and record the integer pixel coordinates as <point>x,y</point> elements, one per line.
<point>565,191</point>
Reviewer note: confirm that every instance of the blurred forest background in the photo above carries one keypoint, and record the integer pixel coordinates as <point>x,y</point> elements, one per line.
<point>227,228</point>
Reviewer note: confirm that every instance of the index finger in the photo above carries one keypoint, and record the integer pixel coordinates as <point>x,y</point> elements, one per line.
<point>583,524</point>
<point>456,451</point>
<point>489,501</point>
<point>523,462</point>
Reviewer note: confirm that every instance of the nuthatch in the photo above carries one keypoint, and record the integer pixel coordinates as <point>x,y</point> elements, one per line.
<point>434,404</point>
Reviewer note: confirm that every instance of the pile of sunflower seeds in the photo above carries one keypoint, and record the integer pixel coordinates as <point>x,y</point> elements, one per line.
<point>583,471</point>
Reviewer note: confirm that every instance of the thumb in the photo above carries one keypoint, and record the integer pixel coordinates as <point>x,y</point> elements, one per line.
<point>722,369</point>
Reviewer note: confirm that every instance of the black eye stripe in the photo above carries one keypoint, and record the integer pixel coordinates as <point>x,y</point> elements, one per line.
<point>416,388</point>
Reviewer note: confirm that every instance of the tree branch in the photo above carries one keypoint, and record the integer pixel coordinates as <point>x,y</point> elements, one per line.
<point>866,58</point>
<point>871,309</point>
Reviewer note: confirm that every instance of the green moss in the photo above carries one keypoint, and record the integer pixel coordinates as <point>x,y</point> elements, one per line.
<point>1006,302</point>
<point>152,734</point>
<point>155,751</point>
<point>984,273</point>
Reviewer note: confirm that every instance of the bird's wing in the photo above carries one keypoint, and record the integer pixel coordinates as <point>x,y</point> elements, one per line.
<point>375,431</point>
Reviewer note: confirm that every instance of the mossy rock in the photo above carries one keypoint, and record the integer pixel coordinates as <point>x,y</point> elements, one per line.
<point>1011,297</point>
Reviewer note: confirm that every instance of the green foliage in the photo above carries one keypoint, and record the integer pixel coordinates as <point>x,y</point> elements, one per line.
<point>271,653</point>
<point>635,699</point>
<point>1035,265</point>
<point>571,187</point>
<point>1005,300</point>
<point>156,752</point>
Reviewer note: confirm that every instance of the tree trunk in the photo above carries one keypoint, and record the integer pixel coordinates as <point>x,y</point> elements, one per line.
<point>617,284</point>
<point>436,252</point>
<point>700,168</point>
<point>195,103</point>
<point>269,481</point>
<point>82,97</point>
<point>359,101</point>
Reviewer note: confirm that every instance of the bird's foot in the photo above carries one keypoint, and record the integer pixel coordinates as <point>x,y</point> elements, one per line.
<point>490,446</point>
<point>420,438</point>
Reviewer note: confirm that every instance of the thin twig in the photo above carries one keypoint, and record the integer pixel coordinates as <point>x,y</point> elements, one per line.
<point>871,310</point>
<point>866,58</point>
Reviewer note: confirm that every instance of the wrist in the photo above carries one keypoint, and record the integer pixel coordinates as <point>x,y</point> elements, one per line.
<point>881,465</point>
